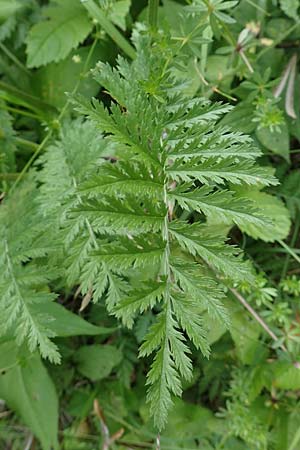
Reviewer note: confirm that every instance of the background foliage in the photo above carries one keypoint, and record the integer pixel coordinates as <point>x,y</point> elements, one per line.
<point>141,224</point>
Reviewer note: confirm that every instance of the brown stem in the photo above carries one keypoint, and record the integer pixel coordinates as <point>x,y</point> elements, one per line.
<point>158,442</point>
<point>257,317</point>
<point>104,429</point>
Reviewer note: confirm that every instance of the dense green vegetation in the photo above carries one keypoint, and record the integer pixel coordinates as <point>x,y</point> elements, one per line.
<point>149,217</point>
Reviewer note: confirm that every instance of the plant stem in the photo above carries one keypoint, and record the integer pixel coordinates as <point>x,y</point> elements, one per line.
<point>8,176</point>
<point>259,8</point>
<point>25,143</point>
<point>29,100</point>
<point>14,58</point>
<point>293,242</point>
<point>32,159</point>
<point>153,13</point>
<point>21,112</point>
<point>158,442</point>
<point>256,317</point>
<point>109,28</point>
<point>289,250</point>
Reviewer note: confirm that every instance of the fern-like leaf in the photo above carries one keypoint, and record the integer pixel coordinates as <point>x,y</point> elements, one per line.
<point>170,155</point>
<point>21,280</point>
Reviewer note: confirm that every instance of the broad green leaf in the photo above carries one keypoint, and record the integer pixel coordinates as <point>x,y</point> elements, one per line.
<point>187,420</point>
<point>52,40</point>
<point>216,328</point>
<point>271,207</point>
<point>52,82</point>
<point>97,361</point>
<point>286,375</point>
<point>280,431</point>
<point>290,191</point>
<point>118,13</point>
<point>245,335</point>
<point>8,8</point>
<point>81,402</point>
<point>290,7</point>
<point>28,390</point>
<point>217,70</point>
<point>293,430</point>
<point>169,13</point>
<point>64,323</point>
<point>277,27</point>
<point>240,118</point>
<point>277,141</point>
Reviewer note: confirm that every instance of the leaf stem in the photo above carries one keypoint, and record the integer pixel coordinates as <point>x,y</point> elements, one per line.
<point>21,112</point>
<point>27,99</point>
<point>289,250</point>
<point>14,58</point>
<point>293,241</point>
<point>277,41</point>
<point>109,28</point>
<point>26,143</point>
<point>8,176</point>
<point>153,13</point>
<point>259,8</point>
<point>256,316</point>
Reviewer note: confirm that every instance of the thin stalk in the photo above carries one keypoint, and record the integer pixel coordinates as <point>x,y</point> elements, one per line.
<point>104,428</point>
<point>8,176</point>
<point>21,112</point>
<point>259,8</point>
<point>158,442</point>
<point>109,28</point>
<point>153,13</point>
<point>289,250</point>
<point>295,441</point>
<point>29,442</point>
<point>228,35</point>
<point>25,143</point>
<point>293,242</point>
<point>246,61</point>
<point>213,88</point>
<point>14,59</point>
<point>256,316</point>
<point>224,94</point>
<point>280,250</point>
<point>31,100</point>
<point>32,159</point>
<point>225,438</point>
